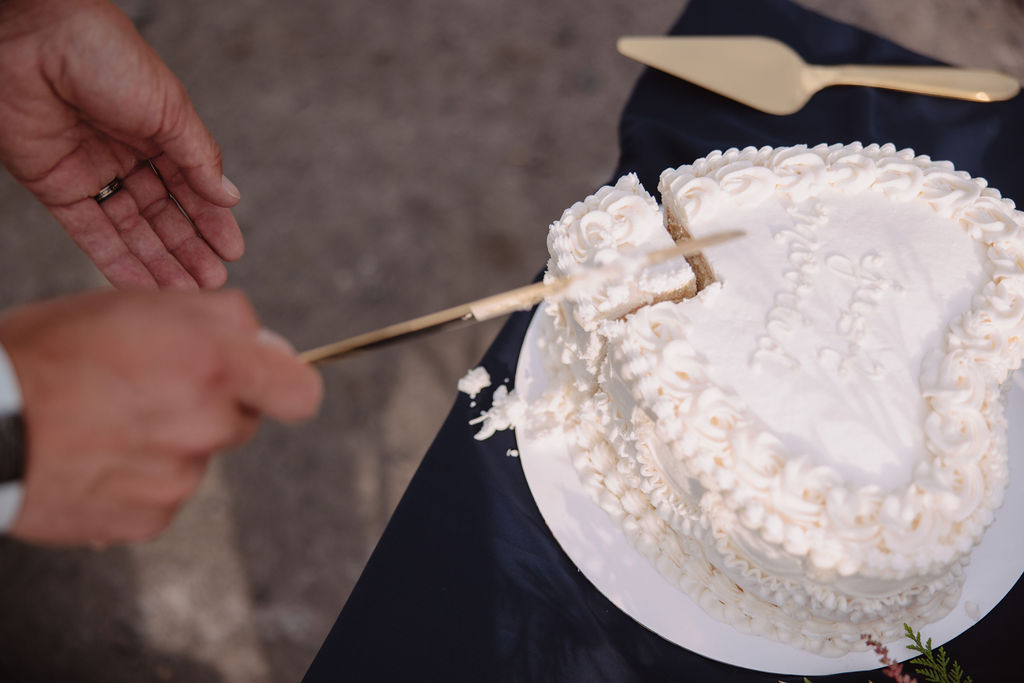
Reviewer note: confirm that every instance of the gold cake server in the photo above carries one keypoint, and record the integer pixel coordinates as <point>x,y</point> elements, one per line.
<point>519,299</point>
<point>768,75</point>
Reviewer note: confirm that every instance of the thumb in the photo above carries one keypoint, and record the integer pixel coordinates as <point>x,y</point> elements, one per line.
<point>264,375</point>
<point>189,145</point>
<point>112,74</point>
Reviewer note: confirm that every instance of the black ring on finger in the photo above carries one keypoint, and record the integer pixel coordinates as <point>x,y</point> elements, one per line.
<point>108,190</point>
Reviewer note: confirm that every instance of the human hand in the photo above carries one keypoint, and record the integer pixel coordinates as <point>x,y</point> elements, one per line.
<point>127,395</point>
<point>84,98</point>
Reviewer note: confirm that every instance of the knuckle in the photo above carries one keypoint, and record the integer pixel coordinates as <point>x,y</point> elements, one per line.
<point>214,276</point>
<point>175,492</point>
<point>217,388</point>
<point>316,391</point>
<point>149,525</point>
<point>236,431</point>
<point>243,432</point>
<point>187,479</point>
<point>163,495</point>
<point>308,402</point>
<point>157,209</point>
<point>209,373</point>
<point>216,155</point>
<point>238,305</point>
<point>174,114</point>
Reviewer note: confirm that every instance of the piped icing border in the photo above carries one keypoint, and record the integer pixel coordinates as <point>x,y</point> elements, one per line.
<point>780,501</point>
<point>954,492</point>
<point>679,540</point>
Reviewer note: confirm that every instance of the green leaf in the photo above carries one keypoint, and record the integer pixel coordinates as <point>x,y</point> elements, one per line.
<point>934,666</point>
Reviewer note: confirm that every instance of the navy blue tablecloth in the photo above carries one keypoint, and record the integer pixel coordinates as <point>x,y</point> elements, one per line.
<point>467,583</point>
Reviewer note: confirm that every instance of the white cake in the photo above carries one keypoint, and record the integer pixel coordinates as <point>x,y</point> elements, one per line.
<point>812,444</point>
<point>616,220</point>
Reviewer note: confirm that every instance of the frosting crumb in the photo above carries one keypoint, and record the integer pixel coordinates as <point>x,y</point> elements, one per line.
<point>507,409</point>
<point>475,381</point>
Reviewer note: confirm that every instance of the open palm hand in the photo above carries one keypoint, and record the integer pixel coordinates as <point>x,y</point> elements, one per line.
<point>86,99</point>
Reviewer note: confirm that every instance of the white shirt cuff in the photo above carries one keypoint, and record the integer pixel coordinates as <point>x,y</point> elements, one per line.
<point>10,402</point>
<point>10,393</point>
<point>10,504</point>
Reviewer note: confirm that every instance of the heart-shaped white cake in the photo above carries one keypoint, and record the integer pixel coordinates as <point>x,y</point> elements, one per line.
<point>811,444</point>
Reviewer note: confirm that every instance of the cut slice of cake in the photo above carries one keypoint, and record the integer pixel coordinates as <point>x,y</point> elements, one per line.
<point>616,220</point>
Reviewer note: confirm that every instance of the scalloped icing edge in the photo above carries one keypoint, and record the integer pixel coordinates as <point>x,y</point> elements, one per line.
<point>657,529</point>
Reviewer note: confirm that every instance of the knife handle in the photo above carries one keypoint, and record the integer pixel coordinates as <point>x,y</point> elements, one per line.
<point>979,85</point>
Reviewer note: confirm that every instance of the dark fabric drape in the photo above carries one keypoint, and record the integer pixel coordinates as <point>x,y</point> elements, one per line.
<point>467,583</point>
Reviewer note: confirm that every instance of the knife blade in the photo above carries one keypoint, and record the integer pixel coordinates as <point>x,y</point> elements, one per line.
<point>518,299</point>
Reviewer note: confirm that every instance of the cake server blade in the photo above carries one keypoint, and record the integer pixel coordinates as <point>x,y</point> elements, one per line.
<point>768,75</point>
<point>519,299</point>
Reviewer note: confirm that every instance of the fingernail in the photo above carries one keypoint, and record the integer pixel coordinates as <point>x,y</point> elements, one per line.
<point>271,338</point>
<point>230,188</point>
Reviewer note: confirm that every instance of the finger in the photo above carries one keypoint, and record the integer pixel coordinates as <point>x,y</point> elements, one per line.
<point>138,91</point>
<point>271,338</point>
<point>133,498</point>
<point>142,481</point>
<point>216,224</point>
<point>190,147</point>
<point>268,380</point>
<point>174,229</point>
<point>226,428</point>
<point>228,309</point>
<point>94,233</point>
<point>210,426</point>
<point>86,165</point>
<point>142,241</point>
<point>137,525</point>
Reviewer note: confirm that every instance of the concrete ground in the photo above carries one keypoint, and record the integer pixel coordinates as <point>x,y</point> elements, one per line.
<point>394,158</point>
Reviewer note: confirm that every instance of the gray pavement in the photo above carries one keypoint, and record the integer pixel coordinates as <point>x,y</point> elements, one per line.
<point>394,158</point>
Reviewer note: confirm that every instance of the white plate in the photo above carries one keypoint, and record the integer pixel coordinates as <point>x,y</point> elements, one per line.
<point>601,551</point>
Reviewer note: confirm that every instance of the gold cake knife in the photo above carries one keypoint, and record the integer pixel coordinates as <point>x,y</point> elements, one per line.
<point>519,299</point>
<point>768,75</point>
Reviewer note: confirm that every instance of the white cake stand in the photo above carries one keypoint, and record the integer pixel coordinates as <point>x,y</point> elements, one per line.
<point>601,551</point>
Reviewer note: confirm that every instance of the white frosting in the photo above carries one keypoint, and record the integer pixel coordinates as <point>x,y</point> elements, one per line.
<point>813,444</point>
<point>474,381</point>
<point>616,220</point>
<point>507,409</point>
<point>841,299</point>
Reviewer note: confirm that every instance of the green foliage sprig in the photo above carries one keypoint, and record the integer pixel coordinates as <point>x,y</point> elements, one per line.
<point>934,665</point>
